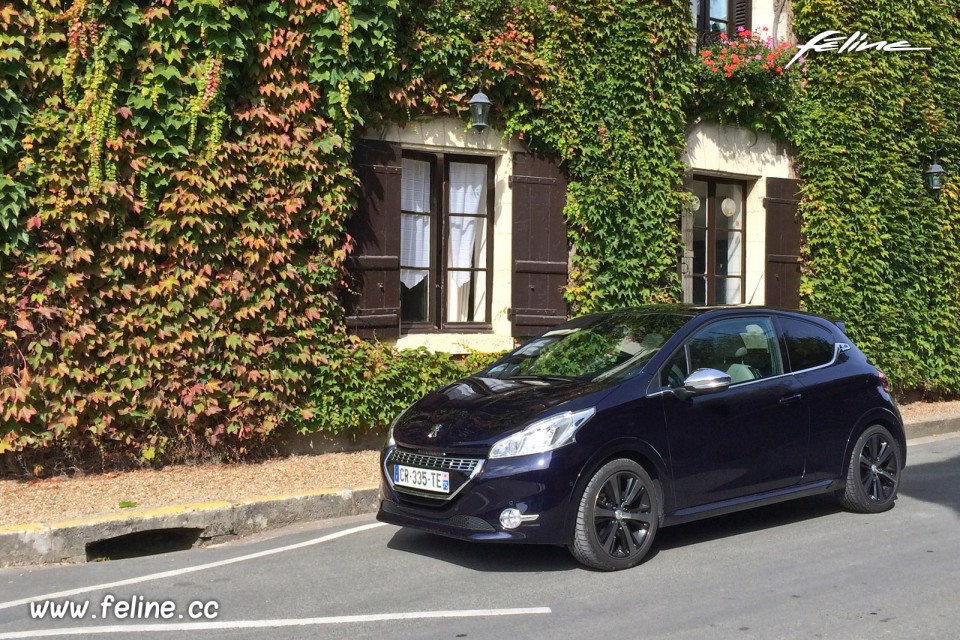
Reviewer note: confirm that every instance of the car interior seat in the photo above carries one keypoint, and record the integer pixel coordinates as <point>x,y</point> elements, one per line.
<point>753,358</point>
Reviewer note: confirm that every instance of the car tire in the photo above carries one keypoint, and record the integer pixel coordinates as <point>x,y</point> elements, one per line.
<point>617,517</point>
<point>873,475</point>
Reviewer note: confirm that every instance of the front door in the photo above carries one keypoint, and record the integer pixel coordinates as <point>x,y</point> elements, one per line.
<point>747,439</point>
<point>713,238</point>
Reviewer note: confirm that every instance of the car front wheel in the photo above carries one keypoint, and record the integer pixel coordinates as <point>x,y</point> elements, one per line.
<point>873,475</point>
<point>617,518</point>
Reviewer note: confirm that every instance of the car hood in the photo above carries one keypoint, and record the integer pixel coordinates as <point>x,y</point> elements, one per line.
<point>475,412</point>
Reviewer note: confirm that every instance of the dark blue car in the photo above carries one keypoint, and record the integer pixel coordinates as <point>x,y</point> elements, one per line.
<point>601,430</point>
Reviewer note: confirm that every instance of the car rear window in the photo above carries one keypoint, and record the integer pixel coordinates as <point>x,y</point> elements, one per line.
<point>808,345</point>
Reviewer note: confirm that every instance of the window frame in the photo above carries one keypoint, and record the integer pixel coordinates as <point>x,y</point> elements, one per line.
<point>439,230</point>
<point>710,214</point>
<point>701,13</point>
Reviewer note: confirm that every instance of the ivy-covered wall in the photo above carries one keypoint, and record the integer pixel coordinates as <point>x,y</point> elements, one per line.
<point>176,180</point>
<point>879,252</point>
<point>172,212</point>
<point>614,111</point>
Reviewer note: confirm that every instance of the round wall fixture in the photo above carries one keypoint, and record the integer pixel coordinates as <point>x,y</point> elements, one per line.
<point>728,207</point>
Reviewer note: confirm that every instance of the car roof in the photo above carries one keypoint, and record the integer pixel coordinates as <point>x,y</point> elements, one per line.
<point>693,310</point>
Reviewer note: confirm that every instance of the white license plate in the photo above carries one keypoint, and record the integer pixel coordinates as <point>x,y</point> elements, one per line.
<point>426,479</point>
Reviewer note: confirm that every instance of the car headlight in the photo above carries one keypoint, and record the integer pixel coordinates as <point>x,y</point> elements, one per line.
<point>390,441</point>
<point>542,435</point>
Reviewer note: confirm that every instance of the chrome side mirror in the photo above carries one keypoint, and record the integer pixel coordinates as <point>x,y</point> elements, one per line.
<point>706,381</point>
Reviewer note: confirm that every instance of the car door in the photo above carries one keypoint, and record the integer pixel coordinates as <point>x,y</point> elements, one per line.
<point>748,438</point>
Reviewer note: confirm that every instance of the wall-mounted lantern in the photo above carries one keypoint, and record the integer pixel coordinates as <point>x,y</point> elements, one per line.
<point>479,111</point>
<point>933,178</point>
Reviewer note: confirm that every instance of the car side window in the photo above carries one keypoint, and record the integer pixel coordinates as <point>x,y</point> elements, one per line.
<point>808,345</point>
<point>674,370</point>
<point>746,349</point>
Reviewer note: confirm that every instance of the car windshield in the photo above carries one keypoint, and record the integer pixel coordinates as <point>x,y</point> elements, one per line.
<point>591,348</point>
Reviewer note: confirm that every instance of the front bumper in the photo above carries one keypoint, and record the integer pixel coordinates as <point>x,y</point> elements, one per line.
<point>539,484</point>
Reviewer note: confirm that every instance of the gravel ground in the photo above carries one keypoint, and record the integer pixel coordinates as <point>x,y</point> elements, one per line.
<point>57,499</point>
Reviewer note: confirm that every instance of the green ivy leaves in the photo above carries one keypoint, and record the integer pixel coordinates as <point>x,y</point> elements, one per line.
<point>879,252</point>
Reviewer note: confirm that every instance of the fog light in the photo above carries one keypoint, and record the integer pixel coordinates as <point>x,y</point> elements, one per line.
<point>511,518</point>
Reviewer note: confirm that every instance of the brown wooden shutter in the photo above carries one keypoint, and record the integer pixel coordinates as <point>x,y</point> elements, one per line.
<point>739,15</point>
<point>539,244</point>
<point>373,308</point>
<point>782,244</point>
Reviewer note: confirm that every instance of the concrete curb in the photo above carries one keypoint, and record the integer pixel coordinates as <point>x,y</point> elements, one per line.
<point>67,541</point>
<point>936,427</point>
<point>31,544</point>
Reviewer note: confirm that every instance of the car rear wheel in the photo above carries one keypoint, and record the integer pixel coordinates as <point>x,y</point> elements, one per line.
<point>873,475</point>
<point>617,518</point>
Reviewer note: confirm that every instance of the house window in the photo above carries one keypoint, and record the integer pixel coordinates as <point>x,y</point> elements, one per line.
<point>445,247</point>
<point>715,17</point>
<point>421,243</point>
<point>713,241</point>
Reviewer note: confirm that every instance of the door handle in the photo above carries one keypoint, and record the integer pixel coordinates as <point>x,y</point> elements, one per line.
<point>791,399</point>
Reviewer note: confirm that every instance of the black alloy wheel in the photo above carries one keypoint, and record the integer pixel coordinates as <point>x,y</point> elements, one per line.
<point>873,476</point>
<point>618,517</point>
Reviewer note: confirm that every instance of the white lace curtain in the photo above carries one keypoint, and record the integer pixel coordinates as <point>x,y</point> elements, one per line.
<point>467,241</point>
<point>414,227</point>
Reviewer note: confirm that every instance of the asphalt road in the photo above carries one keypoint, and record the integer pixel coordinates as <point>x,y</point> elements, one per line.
<point>799,570</point>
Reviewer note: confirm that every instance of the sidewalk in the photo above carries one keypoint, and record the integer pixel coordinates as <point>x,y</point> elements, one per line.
<point>209,522</point>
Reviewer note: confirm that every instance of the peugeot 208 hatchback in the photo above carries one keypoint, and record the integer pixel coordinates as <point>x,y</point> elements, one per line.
<point>603,429</point>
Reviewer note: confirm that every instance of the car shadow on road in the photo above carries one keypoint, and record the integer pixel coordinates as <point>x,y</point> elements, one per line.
<point>936,482</point>
<point>742,522</point>
<point>496,557</point>
<point>518,558</point>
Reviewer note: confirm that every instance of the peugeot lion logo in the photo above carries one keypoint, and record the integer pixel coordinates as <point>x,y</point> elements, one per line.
<point>434,430</point>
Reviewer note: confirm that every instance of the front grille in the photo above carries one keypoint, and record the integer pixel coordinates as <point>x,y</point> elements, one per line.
<point>461,471</point>
<point>464,465</point>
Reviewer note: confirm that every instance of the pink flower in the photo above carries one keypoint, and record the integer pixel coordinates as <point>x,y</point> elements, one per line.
<point>553,7</point>
<point>758,57</point>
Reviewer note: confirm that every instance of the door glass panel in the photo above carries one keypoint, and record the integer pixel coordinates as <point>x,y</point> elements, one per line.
<point>699,250</point>
<point>728,256</point>
<point>699,290</point>
<point>695,242</point>
<point>728,291</point>
<point>729,210</point>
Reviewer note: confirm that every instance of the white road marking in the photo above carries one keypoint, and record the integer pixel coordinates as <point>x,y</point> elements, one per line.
<point>272,624</point>
<point>178,572</point>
